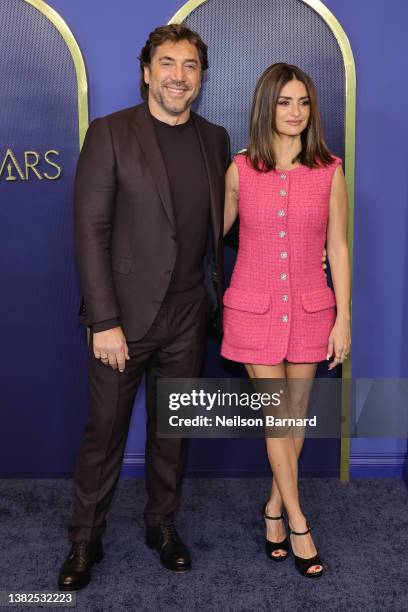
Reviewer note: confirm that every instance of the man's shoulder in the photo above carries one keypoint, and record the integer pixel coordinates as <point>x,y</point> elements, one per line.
<point>117,123</point>
<point>125,115</point>
<point>208,125</point>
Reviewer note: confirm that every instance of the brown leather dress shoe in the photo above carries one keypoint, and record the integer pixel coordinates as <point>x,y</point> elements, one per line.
<point>75,573</point>
<point>174,555</point>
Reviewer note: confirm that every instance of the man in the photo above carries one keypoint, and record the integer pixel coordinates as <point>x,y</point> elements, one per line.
<point>149,207</point>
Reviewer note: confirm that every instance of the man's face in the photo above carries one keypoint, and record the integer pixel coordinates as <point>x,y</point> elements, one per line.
<point>174,79</point>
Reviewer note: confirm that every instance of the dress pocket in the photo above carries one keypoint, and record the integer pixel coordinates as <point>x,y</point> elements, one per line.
<point>246,318</point>
<point>318,317</point>
<point>319,299</point>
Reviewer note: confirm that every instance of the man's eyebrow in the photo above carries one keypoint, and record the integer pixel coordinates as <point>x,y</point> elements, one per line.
<point>168,58</point>
<point>289,98</point>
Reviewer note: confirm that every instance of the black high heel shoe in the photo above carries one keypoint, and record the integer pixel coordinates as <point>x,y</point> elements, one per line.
<point>303,565</point>
<point>270,547</point>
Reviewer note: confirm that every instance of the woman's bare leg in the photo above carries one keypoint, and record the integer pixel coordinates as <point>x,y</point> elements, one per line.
<point>299,393</point>
<point>297,439</point>
<point>275,530</point>
<point>302,376</point>
<point>283,456</point>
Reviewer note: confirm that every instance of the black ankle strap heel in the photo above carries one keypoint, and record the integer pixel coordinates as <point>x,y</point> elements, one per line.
<point>271,547</point>
<point>303,565</point>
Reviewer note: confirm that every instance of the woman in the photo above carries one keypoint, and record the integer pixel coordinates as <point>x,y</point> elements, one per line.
<point>280,317</point>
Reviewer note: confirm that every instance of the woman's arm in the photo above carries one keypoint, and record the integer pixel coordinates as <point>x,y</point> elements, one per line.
<point>338,255</point>
<point>231,197</point>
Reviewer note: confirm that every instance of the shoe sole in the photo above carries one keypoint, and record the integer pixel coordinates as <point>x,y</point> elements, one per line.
<point>278,559</point>
<point>70,589</point>
<point>310,574</point>
<point>178,570</point>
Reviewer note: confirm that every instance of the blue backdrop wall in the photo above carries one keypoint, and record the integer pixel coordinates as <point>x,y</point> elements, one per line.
<point>110,36</point>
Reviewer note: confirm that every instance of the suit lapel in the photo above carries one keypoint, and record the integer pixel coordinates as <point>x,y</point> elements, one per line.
<point>145,133</point>
<point>211,168</point>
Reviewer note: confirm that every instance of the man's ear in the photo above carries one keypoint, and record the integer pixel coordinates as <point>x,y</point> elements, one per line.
<point>146,74</point>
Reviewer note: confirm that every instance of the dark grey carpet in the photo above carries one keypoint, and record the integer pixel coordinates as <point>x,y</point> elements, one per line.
<point>361,529</point>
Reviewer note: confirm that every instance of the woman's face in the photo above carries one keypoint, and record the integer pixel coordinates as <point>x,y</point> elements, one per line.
<point>292,109</point>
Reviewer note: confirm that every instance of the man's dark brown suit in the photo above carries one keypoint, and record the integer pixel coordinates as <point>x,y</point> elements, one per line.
<point>125,237</point>
<point>126,246</point>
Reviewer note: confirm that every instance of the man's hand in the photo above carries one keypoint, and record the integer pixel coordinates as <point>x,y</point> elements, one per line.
<point>110,347</point>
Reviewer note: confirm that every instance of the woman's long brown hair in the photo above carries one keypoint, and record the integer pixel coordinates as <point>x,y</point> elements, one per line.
<point>260,151</point>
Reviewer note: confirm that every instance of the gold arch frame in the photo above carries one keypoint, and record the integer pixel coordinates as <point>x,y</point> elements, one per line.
<point>350,129</point>
<point>79,65</point>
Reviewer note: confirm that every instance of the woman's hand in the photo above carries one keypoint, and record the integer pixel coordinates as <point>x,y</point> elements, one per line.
<point>339,343</point>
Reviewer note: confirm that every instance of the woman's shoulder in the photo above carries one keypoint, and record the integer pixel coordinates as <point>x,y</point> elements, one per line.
<point>336,161</point>
<point>245,165</point>
<point>241,158</point>
<point>330,165</point>
<point>322,169</point>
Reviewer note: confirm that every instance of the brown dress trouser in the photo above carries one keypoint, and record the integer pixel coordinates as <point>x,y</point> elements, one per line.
<point>173,347</point>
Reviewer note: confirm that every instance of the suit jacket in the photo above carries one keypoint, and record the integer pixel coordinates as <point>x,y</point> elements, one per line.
<point>125,238</point>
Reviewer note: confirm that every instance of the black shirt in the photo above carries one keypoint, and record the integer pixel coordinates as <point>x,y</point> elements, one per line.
<point>190,193</point>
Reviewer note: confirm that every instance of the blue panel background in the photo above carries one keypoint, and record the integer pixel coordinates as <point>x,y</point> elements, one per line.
<point>110,36</point>
<point>43,392</point>
<point>265,33</point>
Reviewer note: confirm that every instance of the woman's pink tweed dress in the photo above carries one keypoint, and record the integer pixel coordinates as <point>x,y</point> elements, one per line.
<point>278,305</point>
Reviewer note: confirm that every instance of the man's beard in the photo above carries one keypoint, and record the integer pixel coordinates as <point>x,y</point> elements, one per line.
<point>174,109</point>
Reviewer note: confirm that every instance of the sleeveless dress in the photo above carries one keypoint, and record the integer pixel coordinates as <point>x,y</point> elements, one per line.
<point>278,305</point>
